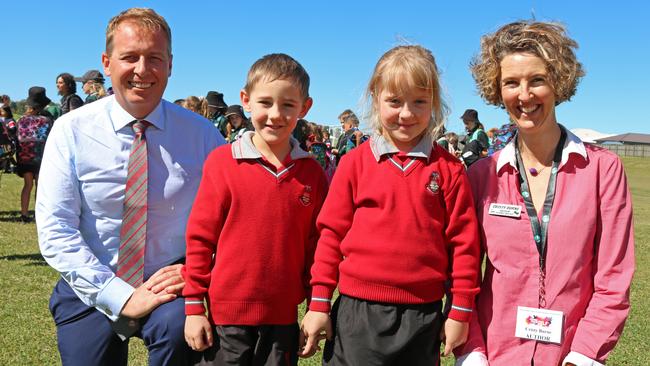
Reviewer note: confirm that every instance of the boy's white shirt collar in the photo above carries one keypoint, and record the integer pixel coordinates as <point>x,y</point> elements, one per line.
<point>572,145</point>
<point>380,146</point>
<point>244,148</point>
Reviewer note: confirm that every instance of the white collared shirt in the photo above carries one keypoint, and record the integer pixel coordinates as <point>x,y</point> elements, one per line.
<point>81,196</point>
<point>380,146</point>
<point>572,145</point>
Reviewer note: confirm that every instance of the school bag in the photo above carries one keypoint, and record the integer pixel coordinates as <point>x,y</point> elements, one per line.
<point>7,146</point>
<point>32,133</point>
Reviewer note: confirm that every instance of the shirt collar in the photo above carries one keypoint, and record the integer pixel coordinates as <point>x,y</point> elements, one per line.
<point>120,117</point>
<point>572,145</point>
<point>380,146</point>
<point>244,148</point>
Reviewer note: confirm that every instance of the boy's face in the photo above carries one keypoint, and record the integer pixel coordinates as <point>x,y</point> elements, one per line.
<point>275,108</point>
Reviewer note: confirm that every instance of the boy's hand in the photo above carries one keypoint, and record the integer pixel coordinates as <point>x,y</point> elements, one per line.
<point>314,327</point>
<point>455,334</point>
<point>198,332</point>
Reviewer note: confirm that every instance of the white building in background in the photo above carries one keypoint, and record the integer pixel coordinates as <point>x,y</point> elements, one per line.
<point>589,135</point>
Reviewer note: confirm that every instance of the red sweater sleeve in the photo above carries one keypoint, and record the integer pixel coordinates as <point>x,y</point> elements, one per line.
<point>463,244</point>
<point>333,223</point>
<point>310,249</point>
<point>203,230</point>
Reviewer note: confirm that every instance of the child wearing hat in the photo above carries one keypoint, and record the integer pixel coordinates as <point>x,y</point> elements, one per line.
<point>216,109</point>
<point>32,131</point>
<point>237,122</point>
<point>252,233</point>
<point>92,83</point>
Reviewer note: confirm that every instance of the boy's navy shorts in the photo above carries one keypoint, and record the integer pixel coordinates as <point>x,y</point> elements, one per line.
<point>374,333</point>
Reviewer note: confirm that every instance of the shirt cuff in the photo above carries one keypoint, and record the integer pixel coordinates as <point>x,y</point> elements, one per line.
<point>579,359</point>
<point>461,308</point>
<point>194,306</point>
<point>111,300</point>
<point>472,359</point>
<point>321,297</point>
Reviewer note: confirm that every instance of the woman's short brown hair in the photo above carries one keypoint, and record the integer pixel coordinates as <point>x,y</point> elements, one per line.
<point>545,40</point>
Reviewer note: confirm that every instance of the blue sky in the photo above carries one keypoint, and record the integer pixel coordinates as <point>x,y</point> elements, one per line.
<point>339,42</point>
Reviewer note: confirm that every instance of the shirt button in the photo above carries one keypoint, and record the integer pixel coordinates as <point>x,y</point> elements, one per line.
<point>545,218</point>
<point>525,194</point>
<point>537,238</point>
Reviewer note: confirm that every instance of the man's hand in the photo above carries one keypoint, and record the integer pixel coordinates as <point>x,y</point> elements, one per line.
<point>167,279</point>
<point>314,327</point>
<point>168,283</point>
<point>455,334</point>
<point>198,332</point>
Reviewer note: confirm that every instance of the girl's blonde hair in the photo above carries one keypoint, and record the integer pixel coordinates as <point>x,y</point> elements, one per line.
<point>405,68</point>
<point>97,88</point>
<point>196,105</point>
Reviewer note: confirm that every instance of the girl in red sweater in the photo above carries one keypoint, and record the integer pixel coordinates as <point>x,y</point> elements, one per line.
<point>398,222</point>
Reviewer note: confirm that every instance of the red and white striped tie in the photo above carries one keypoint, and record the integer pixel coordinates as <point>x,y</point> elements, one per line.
<point>133,234</point>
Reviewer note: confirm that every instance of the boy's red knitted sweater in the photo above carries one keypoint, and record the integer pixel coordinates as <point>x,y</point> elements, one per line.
<point>395,234</point>
<point>259,225</point>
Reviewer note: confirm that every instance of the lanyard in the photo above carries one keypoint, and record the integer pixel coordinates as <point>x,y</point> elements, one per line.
<point>540,230</point>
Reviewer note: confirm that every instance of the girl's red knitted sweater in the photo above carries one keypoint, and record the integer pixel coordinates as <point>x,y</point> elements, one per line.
<point>251,236</point>
<point>394,230</point>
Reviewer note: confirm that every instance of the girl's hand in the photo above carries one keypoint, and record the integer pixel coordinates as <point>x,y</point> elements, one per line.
<point>198,332</point>
<point>455,335</point>
<point>314,327</point>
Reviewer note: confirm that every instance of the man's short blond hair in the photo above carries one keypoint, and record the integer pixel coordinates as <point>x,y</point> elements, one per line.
<point>278,66</point>
<point>143,17</point>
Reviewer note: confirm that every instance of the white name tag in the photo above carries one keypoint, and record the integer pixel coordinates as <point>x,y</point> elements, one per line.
<point>539,324</point>
<point>501,209</point>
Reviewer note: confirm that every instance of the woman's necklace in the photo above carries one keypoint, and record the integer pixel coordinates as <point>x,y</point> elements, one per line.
<point>534,172</point>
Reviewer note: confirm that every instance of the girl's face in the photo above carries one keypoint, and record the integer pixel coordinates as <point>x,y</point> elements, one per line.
<point>405,118</point>
<point>61,87</point>
<point>527,93</point>
<point>235,120</point>
<point>86,87</point>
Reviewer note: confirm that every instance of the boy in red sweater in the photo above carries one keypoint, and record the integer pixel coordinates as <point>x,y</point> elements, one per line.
<point>399,221</point>
<point>251,235</point>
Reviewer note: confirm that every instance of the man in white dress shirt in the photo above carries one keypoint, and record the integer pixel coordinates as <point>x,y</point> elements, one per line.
<point>81,203</point>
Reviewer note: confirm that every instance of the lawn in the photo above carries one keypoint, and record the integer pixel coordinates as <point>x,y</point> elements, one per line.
<point>28,334</point>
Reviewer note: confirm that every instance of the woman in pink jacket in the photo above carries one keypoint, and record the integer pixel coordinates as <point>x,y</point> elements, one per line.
<point>556,215</point>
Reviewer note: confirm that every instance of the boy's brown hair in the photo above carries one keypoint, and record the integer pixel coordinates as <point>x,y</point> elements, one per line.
<point>278,66</point>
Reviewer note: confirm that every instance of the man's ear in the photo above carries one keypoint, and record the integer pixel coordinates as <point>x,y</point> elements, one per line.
<point>106,63</point>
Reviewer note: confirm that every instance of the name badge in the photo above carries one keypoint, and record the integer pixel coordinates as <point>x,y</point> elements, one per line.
<point>539,324</point>
<point>501,209</point>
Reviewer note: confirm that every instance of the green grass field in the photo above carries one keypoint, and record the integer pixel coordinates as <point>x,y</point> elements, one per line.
<point>27,330</point>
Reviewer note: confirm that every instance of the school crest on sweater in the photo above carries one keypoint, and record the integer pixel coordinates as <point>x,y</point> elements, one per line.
<point>305,197</point>
<point>434,183</point>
